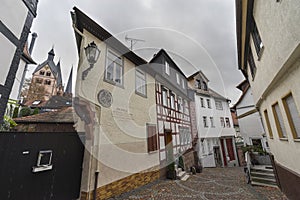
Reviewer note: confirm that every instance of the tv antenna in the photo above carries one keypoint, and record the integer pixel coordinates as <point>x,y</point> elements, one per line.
<point>133,41</point>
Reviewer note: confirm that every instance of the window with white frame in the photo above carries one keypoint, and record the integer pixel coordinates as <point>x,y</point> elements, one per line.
<point>167,68</point>
<point>172,100</point>
<point>227,122</point>
<point>179,104</point>
<point>164,97</point>
<point>219,105</point>
<point>185,135</point>
<point>183,83</point>
<point>208,103</point>
<point>186,107</point>
<point>222,122</point>
<point>202,102</point>
<point>140,82</point>
<point>292,115</point>
<point>114,68</point>
<point>212,124</point>
<point>177,78</point>
<point>205,124</point>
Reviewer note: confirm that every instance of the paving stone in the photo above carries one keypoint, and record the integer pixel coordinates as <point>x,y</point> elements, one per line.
<point>211,184</point>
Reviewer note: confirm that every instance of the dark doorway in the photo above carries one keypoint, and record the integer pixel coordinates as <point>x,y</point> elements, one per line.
<point>217,156</point>
<point>40,165</point>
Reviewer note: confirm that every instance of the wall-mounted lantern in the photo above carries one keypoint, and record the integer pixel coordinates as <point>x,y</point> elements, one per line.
<point>92,54</point>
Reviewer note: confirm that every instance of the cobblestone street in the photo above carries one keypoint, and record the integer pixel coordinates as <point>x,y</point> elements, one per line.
<point>212,183</point>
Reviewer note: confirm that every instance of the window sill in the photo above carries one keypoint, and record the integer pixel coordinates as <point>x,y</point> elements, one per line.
<point>114,83</point>
<point>152,152</point>
<point>283,139</point>
<point>297,140</point>
<point>141,94</point>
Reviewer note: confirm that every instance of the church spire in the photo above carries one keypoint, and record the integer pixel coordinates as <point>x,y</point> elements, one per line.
<point>69,84</point>
<point>51,54</point>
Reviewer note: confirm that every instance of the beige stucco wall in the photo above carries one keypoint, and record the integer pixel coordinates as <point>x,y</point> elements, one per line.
<point>121,129</point>
<point>278,25</point>
<point>278,71</point>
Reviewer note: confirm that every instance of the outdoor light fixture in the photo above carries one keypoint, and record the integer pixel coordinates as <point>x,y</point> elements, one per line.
<point>92,53</point>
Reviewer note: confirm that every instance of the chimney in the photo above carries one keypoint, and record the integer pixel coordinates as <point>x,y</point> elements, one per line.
<point>33,37</point>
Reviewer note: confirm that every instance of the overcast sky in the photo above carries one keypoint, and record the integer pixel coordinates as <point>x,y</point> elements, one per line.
<point>198,34</point>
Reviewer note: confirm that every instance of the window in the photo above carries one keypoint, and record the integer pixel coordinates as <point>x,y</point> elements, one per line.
<point>179,104</point>
<point>268,124</point>
<point>198,84</point>
<point>177,78</point>
<point>185,135</point>
<point>227,122</point>
<point>204,86</point>
<point>48,73</point>
<point>205,122</point>
<point>164,97</point>
<point>167,68</point>
<point>42,72</point>
<point>183,83</point>
<point>202,102</point>
<point>222,122</point>
<point>38,80</point>
<point>151,138</point>
<point>186,107</point>
<point>219,105</point>
<point>279,121</point>
<point>208,103</point>
<point>172,100</point>
<point>212,122</point>
<point>292,115</point>
<point>251,63</point>
<point>259,47</point>
<point>47,82</point>
<point>44,161</point>
<point>140,82</point>
<point>114,68</point>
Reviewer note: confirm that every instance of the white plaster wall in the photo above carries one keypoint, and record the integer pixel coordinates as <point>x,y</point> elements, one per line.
<point>13,14</point>
<point>7,53</point>
<point>15,89</point>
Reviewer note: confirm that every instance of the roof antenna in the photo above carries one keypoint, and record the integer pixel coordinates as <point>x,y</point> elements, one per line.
<point>133,41</point>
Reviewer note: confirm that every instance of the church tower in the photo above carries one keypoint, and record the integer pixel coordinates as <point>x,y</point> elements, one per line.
<point>46,80</point>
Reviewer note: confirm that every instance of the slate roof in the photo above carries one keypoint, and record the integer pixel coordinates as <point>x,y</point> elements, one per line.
<point>68,89</point>
<point>57,102</point>
<point>64,115</point>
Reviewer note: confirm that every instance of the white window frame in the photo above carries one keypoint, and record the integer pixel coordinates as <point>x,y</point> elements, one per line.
<point>205,124</point>
<point>219,105</point>
<point>114,70</point>
<point>164,98</point>
<point>140,88</point>
<point>167,67</point>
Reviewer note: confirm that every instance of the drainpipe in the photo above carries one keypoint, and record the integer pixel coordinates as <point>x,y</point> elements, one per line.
<point>34,36</point>
<point>98,108</point>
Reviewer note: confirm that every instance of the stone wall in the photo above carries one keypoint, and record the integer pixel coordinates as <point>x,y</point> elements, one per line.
<point>123,185</point>
<point>188,159</point>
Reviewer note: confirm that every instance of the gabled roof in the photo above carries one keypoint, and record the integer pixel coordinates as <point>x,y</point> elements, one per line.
<point>57,102</point>
<point>162,52</point>
<point>59,78</point>
<point>64,115</point>
<point>246,88</point>
<point>82,21</point>
<point>50,63</point>
<point>196,73</point>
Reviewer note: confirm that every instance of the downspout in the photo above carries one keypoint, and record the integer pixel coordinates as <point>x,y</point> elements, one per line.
<point>98,108</point>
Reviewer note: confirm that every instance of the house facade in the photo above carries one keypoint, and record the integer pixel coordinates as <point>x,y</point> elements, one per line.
<point>16,21</point>
<point>268,41</point>
<point>250,123</point>
<point>214,124</point>
<point>173,113</point>
<point>115,103</point>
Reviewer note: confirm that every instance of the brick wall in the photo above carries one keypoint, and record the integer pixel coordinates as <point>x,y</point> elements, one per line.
<point>123,185</point>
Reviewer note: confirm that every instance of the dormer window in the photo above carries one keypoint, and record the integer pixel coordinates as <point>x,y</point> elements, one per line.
<point>167,68</point>
<point>47,82</point>
<point>198,84</point>
<point>42,73</point>
<point>204,86</point>
<point>48,73</point>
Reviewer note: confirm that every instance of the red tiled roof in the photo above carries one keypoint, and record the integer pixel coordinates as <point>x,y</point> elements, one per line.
<point>64,115</point>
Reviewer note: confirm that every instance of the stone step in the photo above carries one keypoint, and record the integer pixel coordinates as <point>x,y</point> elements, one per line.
<point>260,170</point>
<point>181,174</point>
<point>262,179</point>
<point>262,174</point>
<point>186,176</point>
<point>263,184</point>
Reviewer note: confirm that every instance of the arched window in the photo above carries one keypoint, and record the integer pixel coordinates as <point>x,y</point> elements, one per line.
<point>47,82</point>
<point>48,74</point>
<point>42,72</point>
